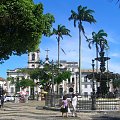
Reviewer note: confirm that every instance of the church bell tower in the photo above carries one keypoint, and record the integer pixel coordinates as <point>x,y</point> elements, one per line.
<point>34,59</point>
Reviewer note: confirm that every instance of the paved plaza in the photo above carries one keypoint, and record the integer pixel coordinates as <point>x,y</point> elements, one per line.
<point>28,111</point>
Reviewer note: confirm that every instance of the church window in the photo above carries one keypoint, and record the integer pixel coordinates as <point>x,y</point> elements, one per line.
<point>72,80</point>
<point>33,65</point>
<point>68,80</point>
<point>33,56</point>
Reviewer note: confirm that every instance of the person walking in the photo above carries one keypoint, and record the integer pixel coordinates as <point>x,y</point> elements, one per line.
<point>64,107</point>
<point>2,101</point>
<point>74,105</point>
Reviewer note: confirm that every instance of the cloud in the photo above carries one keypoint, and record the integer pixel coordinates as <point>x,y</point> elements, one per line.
<point>115,55</point>
<point>114,67</point>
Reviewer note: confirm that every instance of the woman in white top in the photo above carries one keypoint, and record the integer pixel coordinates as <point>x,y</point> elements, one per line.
<point>74,104</point>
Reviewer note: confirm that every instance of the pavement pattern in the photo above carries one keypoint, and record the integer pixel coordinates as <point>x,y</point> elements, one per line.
<point>28,111</point>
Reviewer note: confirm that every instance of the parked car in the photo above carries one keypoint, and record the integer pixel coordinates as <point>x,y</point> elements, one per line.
<point>8,98</point>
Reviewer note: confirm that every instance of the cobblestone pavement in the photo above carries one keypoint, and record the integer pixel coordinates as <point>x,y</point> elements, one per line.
<point>28,111</point>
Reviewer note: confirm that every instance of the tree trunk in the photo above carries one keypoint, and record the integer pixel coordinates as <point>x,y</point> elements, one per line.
<point>96,60</point>
<point>79,60</point>
<point>58,52</point>
<point>58,57</point>
<point>96,64</point>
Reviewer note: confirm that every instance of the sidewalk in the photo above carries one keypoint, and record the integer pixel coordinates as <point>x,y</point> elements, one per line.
<point>29,111</point>
<point>90,114</point>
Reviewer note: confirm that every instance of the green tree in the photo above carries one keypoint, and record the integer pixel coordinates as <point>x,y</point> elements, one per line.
<point>96,40</point>
<point>23,83</point>
<point>83,15</point>
<point>48,75</point>
<point>26,83</point>
<point>22,24</point>
<point>60,31</point>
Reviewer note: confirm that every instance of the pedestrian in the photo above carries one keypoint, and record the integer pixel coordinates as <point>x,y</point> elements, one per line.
<point>64,106</point>
<point>2,101</point>
<point>74,105</point>
<point>69,105</point>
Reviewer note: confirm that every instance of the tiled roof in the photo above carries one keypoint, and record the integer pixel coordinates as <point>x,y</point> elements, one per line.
<point>2,79</point>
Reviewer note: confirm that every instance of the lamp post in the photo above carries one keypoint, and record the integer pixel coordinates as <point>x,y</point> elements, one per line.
<point>76,83</point>
<point>52,95</point>
<point>52,77</point>
<point>93,89</point>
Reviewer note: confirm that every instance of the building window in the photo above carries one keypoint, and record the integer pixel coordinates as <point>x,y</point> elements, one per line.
<point>61,91</point>
<point>71,89</point>
<point>85,79</point>
<point>12,89</point>
<point>33,65</point>
<point>85,86</point>
<point>86,94</point>
<point>72,80</point>
<point>23,77</point>
<point>17,78</point>
<point>33,56</point>
<point>68,80</point>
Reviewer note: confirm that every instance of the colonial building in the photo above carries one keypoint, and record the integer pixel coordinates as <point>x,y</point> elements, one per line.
<point>72,84</point>
<point>3,84</point>
<point>33,62</point>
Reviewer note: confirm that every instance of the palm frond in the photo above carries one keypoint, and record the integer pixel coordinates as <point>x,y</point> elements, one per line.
<point>74,16</point>
<point>89,45</point>
<point>75,23</point>
<point>63,51</point>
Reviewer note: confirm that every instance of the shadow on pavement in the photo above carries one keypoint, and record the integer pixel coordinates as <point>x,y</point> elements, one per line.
<point>106,118</point>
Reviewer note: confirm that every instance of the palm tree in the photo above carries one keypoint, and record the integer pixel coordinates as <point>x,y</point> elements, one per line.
<point>83,15</point>
<point>96,40</point>
<point>60,31</point>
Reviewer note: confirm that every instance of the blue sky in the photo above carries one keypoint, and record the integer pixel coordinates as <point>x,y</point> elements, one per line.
<point>107,15</point>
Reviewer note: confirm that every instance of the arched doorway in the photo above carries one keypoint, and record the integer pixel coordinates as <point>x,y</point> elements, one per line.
<point>71,90</point>
<point>61,91</point>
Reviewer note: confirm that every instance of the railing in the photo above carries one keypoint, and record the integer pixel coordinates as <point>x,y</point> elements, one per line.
<point>85,102</point>
<point>108,104</point>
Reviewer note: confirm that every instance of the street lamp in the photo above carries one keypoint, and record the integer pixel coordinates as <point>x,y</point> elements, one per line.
<point>76,82</point>
<point>52,77</point>
<point>52,95</point>
<point>93,89</point>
